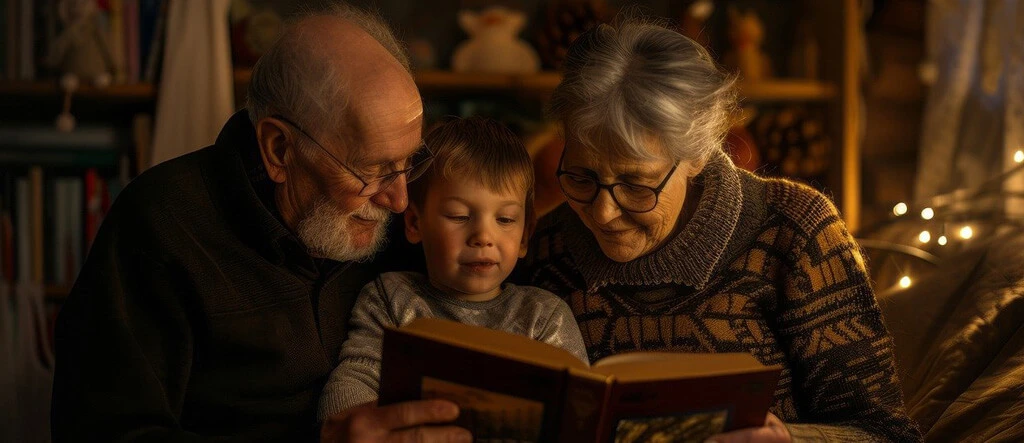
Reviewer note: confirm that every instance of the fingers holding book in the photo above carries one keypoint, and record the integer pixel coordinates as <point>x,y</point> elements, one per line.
<point>399,422</point>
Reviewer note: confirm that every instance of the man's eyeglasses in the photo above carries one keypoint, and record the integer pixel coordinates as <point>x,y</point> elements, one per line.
<point>629,197</point>
<point>418,164</point>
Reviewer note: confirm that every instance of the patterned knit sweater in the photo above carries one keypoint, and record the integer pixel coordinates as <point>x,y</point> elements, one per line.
<point>764,266</point>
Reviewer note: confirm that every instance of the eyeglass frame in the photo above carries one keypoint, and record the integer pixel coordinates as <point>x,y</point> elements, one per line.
<point>611,187</point>
<point>392,176</point>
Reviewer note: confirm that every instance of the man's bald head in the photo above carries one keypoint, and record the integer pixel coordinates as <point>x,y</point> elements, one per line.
<point>342,77</point>
<point>308,73</point>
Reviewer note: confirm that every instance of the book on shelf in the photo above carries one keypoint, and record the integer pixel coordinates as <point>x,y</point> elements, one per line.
<point>8,191</point>
<point>512,388</point>
<point>48,218</point>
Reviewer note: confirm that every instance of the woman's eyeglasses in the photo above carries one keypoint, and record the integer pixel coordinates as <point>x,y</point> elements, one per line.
<point>629,197</point>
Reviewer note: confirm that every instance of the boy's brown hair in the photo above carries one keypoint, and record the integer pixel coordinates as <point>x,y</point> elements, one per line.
<point>481,148</point>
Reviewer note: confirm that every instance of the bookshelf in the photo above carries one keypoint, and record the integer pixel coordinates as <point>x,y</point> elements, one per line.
<point>137,92</point>
<point>66,180</point>
<point>836,90</point>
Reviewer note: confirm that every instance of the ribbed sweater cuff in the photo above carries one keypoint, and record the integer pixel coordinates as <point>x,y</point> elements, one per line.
<point>828,433</point>
<point>341,397</point>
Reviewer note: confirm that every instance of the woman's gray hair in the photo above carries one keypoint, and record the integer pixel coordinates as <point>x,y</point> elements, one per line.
<point>627,82</point>
<point>303,86</point>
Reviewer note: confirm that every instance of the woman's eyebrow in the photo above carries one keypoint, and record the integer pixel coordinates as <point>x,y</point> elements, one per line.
<point>638,172</point>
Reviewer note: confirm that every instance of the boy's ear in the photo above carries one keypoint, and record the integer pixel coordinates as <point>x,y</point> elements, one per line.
<point>412,224</point>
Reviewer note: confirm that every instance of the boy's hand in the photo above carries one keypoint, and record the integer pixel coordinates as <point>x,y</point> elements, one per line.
<point>400,422</point>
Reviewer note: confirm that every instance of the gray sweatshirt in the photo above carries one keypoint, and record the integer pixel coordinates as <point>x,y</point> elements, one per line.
<point>396,298</point>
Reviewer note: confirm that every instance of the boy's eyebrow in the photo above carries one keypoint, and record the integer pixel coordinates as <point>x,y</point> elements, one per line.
<point>467,203</point>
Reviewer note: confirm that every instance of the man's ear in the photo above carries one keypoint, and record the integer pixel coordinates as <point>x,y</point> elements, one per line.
<point>412,224</point>
<point>276,148</point>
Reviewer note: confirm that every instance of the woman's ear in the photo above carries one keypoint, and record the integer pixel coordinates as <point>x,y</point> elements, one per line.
<point>695,167</point>
<point>531,225</point>
<point>412,224</point>
<point>276,147</point>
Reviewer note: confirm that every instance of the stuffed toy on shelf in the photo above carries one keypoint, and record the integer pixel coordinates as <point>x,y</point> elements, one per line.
<point>746,34</point>
<point>494,45</point>
<point>82,48</point>
<point>80,53</point>
<point>693,19</point>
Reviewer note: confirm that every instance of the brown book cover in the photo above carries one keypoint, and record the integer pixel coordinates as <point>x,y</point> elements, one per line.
<point>512,388</point>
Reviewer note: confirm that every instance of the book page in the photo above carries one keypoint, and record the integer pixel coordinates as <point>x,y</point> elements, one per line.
<point>494,342</point>
<point>640,366</point>
<point>692,426</point>
<point>489,416</point>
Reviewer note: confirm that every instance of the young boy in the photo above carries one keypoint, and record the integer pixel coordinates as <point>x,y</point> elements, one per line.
<point>472,211</point>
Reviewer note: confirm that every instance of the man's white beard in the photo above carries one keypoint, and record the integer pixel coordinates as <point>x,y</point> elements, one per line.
<point>326,231</point>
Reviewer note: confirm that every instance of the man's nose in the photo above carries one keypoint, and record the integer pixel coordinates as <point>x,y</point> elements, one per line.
<point>395,197</point>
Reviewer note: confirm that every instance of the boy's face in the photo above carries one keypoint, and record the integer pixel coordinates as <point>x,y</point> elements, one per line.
<point>471,236</point>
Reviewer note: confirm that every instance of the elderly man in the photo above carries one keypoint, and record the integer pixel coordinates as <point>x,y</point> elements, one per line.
<point>216,296</point>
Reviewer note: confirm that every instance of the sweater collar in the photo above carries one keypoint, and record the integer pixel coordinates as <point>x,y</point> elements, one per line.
<point>248,194</point>
<point>689,258</point>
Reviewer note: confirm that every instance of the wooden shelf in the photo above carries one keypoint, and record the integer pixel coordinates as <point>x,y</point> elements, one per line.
<point>123,92</point>
<point>540,84</point>
<point>543,83</point>
<point>786,90</point>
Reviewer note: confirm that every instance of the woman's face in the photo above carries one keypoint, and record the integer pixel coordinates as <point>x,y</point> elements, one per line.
<point>624,235</point>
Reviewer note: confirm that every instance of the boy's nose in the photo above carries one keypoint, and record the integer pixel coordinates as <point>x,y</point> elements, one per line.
<point>481,238</point>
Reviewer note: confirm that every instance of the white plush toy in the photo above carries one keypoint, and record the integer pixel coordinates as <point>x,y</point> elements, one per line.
<point>494,45</point>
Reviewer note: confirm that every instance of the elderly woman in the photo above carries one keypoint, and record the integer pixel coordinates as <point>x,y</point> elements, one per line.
<point>665,245</point>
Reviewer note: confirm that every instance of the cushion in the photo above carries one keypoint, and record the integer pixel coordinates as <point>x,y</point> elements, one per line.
<point>959,342</point>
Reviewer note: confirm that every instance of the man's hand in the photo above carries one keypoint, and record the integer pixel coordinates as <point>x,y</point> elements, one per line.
<point>399,423</point>
<point>773,431</point>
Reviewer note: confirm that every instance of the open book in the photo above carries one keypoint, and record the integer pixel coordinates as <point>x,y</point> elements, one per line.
<point>512,388</point>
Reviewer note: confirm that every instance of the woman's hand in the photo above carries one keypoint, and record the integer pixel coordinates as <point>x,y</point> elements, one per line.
<point>400,422</point>
<point>773,431</point>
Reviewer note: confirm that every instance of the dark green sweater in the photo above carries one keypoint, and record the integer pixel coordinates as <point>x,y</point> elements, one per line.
<point>764,267</point>
<point>197,313</point>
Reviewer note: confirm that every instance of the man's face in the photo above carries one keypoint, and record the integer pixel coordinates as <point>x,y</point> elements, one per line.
<point>472,236</point>
<point>333,167</point>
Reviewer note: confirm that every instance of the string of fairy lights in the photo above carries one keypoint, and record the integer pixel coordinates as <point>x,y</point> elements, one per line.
<point>962,231</point>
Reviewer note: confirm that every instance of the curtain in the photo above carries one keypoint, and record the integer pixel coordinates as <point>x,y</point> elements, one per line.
<point>26,366</point>
<point>974,114</point>
<point>196,91</point>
